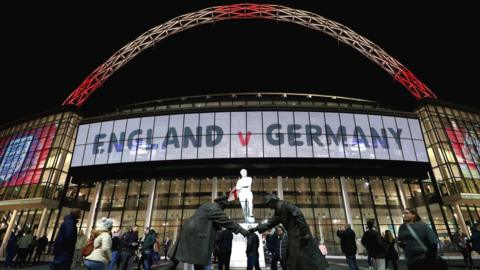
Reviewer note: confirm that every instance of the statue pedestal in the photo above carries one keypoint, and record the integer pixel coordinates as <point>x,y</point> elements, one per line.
<point>239,246</point>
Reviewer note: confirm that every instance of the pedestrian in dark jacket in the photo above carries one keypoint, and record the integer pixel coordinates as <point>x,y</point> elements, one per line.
<point>197,238</point>
<point>419,254</point>
<point>224,245</point>
<point>147,247</point>
<point>464,247</point>
<point>11,250</point>
<point>475,238</point>
<point>373,242</point>
<point>65,242</point>
<point>349,246</point>
<point>391,253</point>
<point>279,251</point>
<point>166,245</point>
<point>302,251</point>
<point>128,246</point>
<point>252,251</point>
<point>41,246</point>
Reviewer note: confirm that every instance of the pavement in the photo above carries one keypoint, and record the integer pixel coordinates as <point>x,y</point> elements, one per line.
<point>336,263</point>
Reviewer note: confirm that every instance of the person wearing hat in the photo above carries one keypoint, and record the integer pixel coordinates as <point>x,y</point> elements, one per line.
<point>302,251</point>
<point>196,241</point>
<point>102,246</point>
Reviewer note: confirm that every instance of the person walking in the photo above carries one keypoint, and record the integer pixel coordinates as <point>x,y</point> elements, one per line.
<point>102,246</point>
<point>11,250</point>
<point>116,246</point>
<point>279,251</point>
<point>464,247</point>
<point>418,241</point>
<point>224,245</point>
<point>348,245</point>
<point>373,242</point>
<point>147,247</point>
<point>65,242</point>
<point>129,244</point>
<point>41,246</point>
<point>23,244</point>
<point>166,245</point>
<point>391,252</point>
<point>77,254</point>
<point>252,251</point>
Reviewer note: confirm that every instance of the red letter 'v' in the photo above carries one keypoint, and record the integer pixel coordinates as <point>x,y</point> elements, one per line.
<point>244,141</point>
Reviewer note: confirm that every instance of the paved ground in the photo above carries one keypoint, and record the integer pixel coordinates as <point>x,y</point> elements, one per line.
<point>335,264</point>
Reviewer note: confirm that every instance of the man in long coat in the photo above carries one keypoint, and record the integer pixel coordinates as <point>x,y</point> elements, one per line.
<point>196,241</point>
<point>302,251</point>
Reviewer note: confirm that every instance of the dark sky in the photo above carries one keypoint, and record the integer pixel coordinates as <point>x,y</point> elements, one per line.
<point>48,49</point>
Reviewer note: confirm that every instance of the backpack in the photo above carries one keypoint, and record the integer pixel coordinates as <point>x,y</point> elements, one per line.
<point>88,248</point>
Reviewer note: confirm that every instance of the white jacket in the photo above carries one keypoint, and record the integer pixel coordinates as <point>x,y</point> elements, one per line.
<point>102,248</point>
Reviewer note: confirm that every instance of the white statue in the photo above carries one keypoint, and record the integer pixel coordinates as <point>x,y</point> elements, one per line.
<point>244,189</point>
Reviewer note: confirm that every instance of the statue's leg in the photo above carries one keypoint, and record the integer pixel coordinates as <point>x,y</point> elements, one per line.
<point>250,209</point>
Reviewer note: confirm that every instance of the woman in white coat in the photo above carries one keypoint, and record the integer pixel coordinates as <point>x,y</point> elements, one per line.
<point>102,247</point>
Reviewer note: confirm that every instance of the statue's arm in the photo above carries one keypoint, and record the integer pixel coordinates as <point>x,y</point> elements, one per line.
<point>219,217</point>
<point>272,222</point>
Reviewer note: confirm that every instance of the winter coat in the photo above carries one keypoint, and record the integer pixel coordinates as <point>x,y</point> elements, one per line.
<point>129,241</point>
<point>302,251</point>
<point>412,249</point>
<point>347,242</point>
<point>102,248</point>
<point>280,246</point>
<point>373,242</point>
<point>197,238</point>
<point>475,239</point>
<point>42,243</point>
<point>65,241</point>
<point>252,244</point>
<point>224,241</point>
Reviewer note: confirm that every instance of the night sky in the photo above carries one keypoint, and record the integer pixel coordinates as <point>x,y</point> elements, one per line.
<point>47,54</point>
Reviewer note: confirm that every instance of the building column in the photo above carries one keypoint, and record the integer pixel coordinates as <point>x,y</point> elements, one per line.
<point>93,208</point>
<point>11,222</point>
<point>151,199</point>
<point>280,187</point>
<point>401,193</point>
<point>42,222</point>
<point>459,218</point>
<point>215,188</point>
<point>346,201</point>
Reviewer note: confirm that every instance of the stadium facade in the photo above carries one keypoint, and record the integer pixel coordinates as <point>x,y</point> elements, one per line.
<point>341,160</point>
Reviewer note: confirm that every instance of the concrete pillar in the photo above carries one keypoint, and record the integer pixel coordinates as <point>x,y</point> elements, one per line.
<point>151,199</point>
<point>459,218</point>
<point>280,187</point>
<point>41,224</point>
<point>93,208</point>
<point>346,201</point>
<point>214,188</point>
<point>11,223</point>
<point>401,193</point>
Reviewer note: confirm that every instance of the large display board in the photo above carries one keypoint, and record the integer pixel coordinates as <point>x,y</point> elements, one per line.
<point>250,134</point>
<point>23,155</point>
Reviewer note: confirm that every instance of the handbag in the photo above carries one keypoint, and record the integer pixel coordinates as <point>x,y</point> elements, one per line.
<point>438,262</point>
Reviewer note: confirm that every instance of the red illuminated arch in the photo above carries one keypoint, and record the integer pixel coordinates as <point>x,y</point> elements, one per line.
<point>249,11</point>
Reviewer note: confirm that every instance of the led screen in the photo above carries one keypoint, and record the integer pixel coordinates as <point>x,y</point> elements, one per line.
<point>253,134</point>
<point>23,155</point>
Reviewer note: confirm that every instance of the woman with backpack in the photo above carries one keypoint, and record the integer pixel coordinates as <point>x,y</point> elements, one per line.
<point>102,246</point>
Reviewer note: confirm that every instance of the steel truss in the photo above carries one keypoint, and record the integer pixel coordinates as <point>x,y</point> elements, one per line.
<point>249,11</point>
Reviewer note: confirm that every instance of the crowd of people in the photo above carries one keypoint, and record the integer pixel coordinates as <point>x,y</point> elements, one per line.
<point>417,240</point>
<point>209,231</point>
